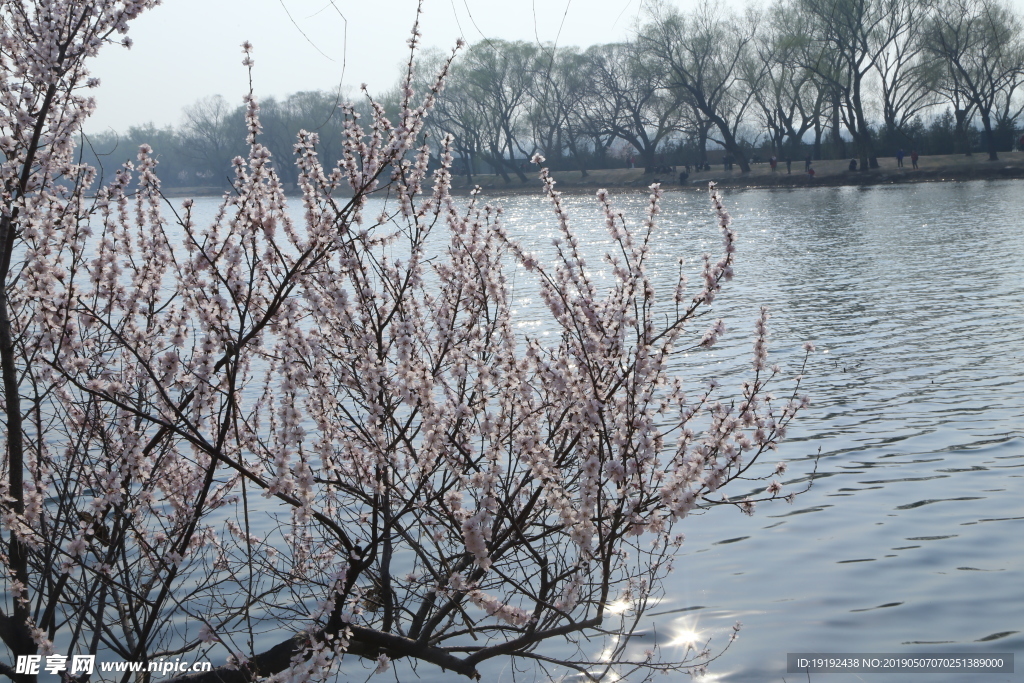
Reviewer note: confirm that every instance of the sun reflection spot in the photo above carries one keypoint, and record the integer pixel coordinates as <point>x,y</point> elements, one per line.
<point>609,651</point>
<point>685,633</point>
<point>684,637</point>
<point>617,607</point>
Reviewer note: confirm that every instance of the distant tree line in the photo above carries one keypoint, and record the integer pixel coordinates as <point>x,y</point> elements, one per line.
<point>199,151</point>
<point>798,78</point>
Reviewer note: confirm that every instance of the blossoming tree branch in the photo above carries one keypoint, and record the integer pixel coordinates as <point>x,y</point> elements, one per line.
<point>329,434</point>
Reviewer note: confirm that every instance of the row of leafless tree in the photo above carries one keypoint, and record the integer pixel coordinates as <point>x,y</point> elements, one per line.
<point>799,68</point>
<point>829,78</point>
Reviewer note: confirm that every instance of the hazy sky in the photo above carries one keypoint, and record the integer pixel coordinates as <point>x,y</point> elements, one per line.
<point>189,49</point>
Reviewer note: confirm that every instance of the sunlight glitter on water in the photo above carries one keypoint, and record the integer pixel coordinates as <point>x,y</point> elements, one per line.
<point>909,540</point>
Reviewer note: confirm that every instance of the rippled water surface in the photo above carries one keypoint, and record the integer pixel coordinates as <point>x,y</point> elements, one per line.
<point>910,540</point>
<point>912,537</point>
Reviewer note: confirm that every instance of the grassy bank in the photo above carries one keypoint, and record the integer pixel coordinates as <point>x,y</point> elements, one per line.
<point>827,173</point>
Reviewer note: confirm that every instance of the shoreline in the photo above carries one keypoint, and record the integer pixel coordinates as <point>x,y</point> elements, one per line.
<point>829,173</point>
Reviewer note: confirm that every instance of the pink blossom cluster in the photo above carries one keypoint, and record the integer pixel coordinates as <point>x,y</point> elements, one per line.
<point>334,424</point>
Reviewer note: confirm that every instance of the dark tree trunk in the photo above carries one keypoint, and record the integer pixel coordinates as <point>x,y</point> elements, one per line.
<point>702,145</point>
<point>516,168</point>
<point>498,163</point>
<point>990,138</point>
<point>576,157</point>
<point>838,144</point>
<point>733,147</point>
<point>867,147</point>
<point>467,162</point>
<point>647,154</point>
<point>961,143</point>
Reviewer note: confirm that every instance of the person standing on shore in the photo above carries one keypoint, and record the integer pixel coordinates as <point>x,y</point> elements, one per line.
<point>789,163</point>
<point>899,158</point>
<point>913,158</point>
<point>807,163</point>
<point>773,162</point>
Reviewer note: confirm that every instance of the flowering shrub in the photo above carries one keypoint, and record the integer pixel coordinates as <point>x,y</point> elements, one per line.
<point>332,429</point>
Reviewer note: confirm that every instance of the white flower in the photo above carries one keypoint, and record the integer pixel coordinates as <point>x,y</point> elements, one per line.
<point>207,635</point>
<point>77,547</point>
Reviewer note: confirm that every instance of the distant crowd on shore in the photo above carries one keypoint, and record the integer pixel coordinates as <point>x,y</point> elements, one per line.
<point>775,163</point>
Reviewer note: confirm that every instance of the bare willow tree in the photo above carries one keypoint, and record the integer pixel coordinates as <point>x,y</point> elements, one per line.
<point>207,135</point>
<point>704,54</point>
<point>497,76</point>
<point>907,74</point>
<point>457,114</point>
<point>305,447</point>
<point>791,100</point>
<point>980,44</point>
<point>559,91</point>
<point>631,99</point>
<point>842,46</point>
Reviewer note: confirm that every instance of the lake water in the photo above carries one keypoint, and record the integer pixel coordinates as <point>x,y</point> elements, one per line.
<point>911,539</point>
